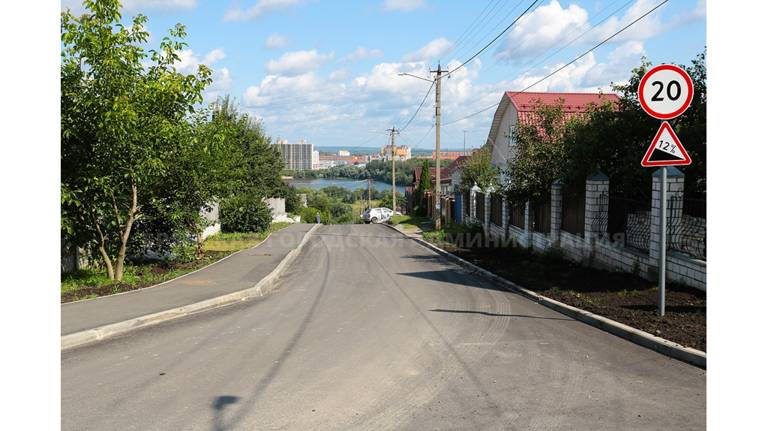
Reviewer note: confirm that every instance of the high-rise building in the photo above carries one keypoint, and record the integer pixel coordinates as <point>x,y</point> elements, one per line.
<point>315,159</point>
<point>297,156</point>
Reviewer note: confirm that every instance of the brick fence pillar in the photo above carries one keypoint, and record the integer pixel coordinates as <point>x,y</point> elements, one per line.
<point>556,211</point>
<point>596,206</point>
<point>675,189</point>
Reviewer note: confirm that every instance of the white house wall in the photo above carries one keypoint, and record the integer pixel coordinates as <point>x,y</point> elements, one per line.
<point>502,152</point>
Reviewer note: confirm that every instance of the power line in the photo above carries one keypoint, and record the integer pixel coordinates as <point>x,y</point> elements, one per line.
<point>569,43</point>
<point>419,108</point>
<point>472,29</point>
<point>495,38</point>
<point>567,64</point>
<point>493,29</point>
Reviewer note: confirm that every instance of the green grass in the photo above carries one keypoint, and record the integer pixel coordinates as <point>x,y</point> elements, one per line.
<point>89,283</point>
<point>144,274</point>
<point>235,241</point>
<point>411,223</point>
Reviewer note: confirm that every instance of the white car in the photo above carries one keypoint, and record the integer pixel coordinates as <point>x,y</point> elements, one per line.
<point>376,215</point>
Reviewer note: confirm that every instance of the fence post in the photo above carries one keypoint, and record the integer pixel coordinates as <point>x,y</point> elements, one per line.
<point>504,216</point>
<point>473,203</point>
<point>487,213</point>
<point>528,224</point>
<point>675,189</point>
<point>595,214</point>
<point>556,212</point>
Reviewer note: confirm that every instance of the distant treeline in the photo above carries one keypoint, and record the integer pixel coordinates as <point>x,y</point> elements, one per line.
<point>378,170</point>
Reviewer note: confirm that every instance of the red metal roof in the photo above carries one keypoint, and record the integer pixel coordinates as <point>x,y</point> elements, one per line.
<point>574,104</point>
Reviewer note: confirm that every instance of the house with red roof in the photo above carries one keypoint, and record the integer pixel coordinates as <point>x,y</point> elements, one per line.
<point>520,108</point>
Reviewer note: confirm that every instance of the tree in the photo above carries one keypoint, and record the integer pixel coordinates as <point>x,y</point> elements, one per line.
<point>425,181</point>
<point>539,152</point>
<point>124,126</point>
<point>477,169</point>
<point>615,137</point>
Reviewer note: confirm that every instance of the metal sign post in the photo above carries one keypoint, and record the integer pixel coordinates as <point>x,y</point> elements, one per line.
<point>665,92</point>
<point>663,243</point>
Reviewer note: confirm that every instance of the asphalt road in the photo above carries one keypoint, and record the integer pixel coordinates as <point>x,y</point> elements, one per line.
<point>369,330</point>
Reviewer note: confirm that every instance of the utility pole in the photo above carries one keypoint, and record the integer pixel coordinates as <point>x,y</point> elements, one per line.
<point>438,81</point>
<point>392,133</point>
<point>369,193</point>
<point>465,143</point>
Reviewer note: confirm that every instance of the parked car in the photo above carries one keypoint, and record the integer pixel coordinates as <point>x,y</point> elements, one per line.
<point>376,215</point>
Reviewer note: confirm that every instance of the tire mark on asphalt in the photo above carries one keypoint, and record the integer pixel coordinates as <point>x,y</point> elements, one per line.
<point>265,381</point>
<point>454,354</point>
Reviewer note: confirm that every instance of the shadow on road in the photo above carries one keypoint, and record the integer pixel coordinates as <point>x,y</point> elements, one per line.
<point>220,403</point>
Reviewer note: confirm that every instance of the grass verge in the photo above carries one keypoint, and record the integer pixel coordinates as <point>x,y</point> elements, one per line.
<point>411,223</point>
<point>92,283</point>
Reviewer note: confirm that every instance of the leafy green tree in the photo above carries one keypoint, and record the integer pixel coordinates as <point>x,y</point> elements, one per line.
<point>124,115</point>
<point>477,169</point>
<point>615,138</point>
<point>245,212</point>
<point>386,200</point>
<point>425,180</point>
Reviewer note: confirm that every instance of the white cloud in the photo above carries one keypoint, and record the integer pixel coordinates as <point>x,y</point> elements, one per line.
<point>76,6</point>
<point>403,5</point>
<point>650,26</point>
<point>222,83</point>
<point>430,51</point>
<point>275,41</point>
<point>545,27</point>
<point>362,53</point>
<point>188,60</point>
<point>587,74</point>
<point>260,8</point>
<point>297,62</point>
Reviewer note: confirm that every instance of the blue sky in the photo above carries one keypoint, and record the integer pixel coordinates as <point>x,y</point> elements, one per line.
<point>326,71</point>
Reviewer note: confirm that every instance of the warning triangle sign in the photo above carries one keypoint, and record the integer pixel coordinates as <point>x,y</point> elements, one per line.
<point>666,149</point>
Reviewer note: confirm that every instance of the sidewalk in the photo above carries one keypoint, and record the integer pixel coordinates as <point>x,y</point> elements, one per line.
<point>239,271</point>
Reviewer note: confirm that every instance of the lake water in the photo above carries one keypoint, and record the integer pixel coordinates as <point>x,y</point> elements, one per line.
<point>319,183</point>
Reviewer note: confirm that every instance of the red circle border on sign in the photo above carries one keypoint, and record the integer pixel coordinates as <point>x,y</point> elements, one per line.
<point>688,99</point>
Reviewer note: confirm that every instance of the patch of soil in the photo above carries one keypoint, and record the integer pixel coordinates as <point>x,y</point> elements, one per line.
<point>154,274</point>
<point>619,296</point>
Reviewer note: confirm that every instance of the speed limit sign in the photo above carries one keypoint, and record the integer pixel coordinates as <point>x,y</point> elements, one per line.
<point>665,91</point>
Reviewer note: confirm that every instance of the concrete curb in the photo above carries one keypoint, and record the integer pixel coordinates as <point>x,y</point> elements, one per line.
<point>642,338</point>
<point>265,285</point>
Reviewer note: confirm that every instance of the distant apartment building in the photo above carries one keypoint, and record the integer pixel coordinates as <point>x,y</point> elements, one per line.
<point>315,159</point>
<point>297,156</point>
<point>402,152</point>
<point>344,153</point>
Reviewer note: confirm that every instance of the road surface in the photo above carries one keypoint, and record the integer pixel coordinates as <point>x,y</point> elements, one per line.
<point>369,330</point>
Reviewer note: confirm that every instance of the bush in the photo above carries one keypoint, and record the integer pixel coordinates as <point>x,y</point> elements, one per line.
<point>308,215</point>
<point>244,213</point>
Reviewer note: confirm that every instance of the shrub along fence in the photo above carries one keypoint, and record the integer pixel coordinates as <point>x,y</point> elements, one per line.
<point>590,224</point>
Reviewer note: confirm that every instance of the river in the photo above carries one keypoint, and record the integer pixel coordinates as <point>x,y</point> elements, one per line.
<point>318,183</point>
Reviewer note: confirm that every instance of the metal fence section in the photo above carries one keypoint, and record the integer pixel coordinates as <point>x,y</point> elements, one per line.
<point>496,201</point>
<point>542,215</point>
<point>480,207</point>
<point>573,208</point>
<point>629,221</point>
<point>517,214</point>
<point>687,223</point>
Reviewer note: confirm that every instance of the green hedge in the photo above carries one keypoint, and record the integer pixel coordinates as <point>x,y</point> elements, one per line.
<point>244,213</point>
